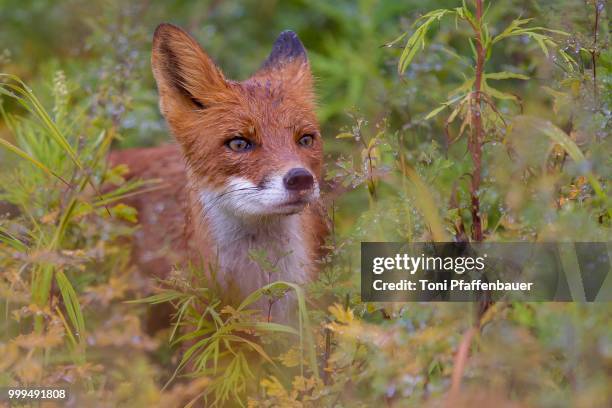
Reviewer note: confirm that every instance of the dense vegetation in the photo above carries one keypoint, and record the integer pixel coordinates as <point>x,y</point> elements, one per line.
<point>442,121</point>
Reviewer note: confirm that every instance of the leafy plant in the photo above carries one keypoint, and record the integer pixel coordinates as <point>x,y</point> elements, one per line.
<point>224,344</point>
<point>473,101</point>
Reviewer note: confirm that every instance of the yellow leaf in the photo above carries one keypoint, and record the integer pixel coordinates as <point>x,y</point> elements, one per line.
<point>341,314</point>
<point>273,387</point>
<point>292,357</point>
<point>125,212</point>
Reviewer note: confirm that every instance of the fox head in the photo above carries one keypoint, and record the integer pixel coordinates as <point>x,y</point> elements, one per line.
<point>251,147</point>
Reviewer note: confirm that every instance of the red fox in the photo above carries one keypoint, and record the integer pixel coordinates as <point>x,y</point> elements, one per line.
<point>246,174</point>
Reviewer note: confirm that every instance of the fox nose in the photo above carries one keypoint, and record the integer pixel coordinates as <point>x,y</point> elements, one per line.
<point>298,179</point>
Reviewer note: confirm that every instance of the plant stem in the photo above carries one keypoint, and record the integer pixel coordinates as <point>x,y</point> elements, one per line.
<point>326,355</point>
<point>594,49</point>
<point>476,139</point>
<point>460,362</point>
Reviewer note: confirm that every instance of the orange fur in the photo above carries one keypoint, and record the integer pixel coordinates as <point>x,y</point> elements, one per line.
<point>218,204</point>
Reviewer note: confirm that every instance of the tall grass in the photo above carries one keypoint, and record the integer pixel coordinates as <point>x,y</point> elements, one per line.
<point>55,186</point>
<point>42,142</point>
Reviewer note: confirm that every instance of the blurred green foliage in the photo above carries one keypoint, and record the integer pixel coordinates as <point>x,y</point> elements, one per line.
<point>392,174</point>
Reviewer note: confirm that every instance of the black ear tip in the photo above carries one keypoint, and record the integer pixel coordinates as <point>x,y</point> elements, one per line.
<point>288,44</point>
<point>288,35</point>
<point>287,47</point>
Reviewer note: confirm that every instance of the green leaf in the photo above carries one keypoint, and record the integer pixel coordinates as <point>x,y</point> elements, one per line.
<point>179,316</point>
<point>510,30</point>
<point>497,93</point>
<point>435,111</point>
<point>417,40</point>
<point>398,39</point>
<point>455,112</point>
<point>473,48</point>
<point>466,86</point>
<point>569,61</point>
<point>412,47</point>
<point>71,303</point>
<point>266,326</point>
<point>166,296</point>
<point>256,347</point>
<point>506,75</point>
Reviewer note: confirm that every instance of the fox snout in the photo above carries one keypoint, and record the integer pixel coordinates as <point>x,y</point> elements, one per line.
<point>279,193</point>
<point>298,179</point>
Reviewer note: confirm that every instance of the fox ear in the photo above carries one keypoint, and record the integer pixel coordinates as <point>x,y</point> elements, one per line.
<point>186,77</point>
<point>287,59</point>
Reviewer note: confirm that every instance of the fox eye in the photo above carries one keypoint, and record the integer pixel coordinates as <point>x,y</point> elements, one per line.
<point>306,140</point>
<point>239,144</point>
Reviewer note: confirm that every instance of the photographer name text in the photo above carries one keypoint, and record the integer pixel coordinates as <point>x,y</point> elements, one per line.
<point>410,265</point>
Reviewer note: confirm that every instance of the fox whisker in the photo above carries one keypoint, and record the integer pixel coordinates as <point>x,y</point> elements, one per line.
<point>207,207</point>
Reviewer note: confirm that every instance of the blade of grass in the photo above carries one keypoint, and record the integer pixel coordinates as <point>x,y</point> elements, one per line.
<point>33,105</point>
<point>9,239</point>
<point>562,139</point>
<point>11,147</point>
<point>71,302</point>
<point>426,204</point>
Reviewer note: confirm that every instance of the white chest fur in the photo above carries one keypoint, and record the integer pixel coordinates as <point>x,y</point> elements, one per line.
<point>240,245</point>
